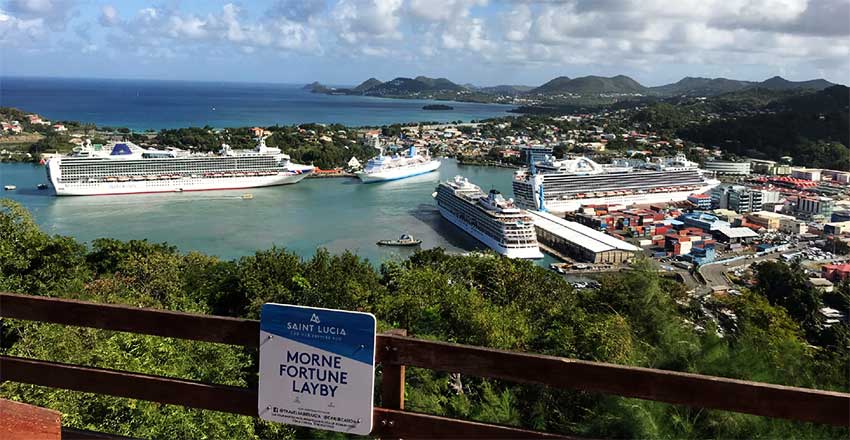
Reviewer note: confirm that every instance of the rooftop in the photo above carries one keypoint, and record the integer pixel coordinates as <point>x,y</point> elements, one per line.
<point>738,232</point>
<point>579,234</point>
<point>820,282</point>
<point>768,214</point>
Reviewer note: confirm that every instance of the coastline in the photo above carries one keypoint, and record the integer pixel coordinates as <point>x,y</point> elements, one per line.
<point>487,163</point>
<point>331,175</point>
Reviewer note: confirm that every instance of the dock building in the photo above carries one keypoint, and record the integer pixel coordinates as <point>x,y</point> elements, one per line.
<point>579,241</point>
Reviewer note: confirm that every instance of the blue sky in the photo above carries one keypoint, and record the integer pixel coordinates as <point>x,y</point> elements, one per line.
<point>478,41</point>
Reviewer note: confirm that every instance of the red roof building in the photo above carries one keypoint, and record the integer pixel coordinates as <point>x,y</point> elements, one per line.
<point>836,272</point>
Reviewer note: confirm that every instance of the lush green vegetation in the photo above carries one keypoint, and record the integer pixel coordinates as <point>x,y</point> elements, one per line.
<point>636,318</point>
<point>813,128</point>
<point>326,146</point>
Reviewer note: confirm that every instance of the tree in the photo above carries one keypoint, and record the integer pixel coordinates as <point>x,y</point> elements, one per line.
<point>785,285</point>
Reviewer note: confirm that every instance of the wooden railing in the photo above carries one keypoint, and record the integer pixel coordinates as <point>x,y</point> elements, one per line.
<point>394,351</point>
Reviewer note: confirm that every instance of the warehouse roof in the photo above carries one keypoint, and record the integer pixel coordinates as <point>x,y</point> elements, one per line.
<point>738,232</point>
<point>581,235</point>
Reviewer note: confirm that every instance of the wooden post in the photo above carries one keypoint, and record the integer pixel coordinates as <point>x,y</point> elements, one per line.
<point>19,421</point>
<point>392,380</point>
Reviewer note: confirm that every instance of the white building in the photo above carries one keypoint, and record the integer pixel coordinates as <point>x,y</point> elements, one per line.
<point>726,167</point>
<point>812,206</point>
<point>806,174</point>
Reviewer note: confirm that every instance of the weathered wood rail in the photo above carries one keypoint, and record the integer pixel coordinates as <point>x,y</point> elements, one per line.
<point>394,351</point>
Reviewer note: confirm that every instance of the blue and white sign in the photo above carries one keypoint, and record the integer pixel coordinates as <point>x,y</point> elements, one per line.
<point>317,368</point>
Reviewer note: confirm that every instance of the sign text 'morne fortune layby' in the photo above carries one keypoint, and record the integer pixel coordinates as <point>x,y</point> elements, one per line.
<point>317,367</point>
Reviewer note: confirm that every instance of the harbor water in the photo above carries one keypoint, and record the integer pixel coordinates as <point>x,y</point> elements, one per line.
<point>335,213</point>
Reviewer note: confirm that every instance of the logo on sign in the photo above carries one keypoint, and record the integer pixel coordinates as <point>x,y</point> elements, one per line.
<point>315,328</point>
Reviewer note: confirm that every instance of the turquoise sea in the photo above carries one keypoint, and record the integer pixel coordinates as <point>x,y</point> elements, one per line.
<point>148,104</point>
<point>334,213</point>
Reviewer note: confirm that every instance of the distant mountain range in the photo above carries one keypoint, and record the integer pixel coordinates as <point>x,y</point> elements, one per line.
<point>592,85</point>
<point>716,86</point>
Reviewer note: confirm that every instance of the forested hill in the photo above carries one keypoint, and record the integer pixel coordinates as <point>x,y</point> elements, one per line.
<point>814,129</point>
<point>718,86</point>
<point>634,318</point>
<point>593,85</point>
<point>400,86</point>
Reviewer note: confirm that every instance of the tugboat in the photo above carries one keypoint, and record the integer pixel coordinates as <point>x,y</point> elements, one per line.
<point>42,186</point>
<point>404,240</point>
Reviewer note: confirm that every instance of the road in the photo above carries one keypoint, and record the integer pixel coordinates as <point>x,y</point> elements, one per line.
<point>714,273</point>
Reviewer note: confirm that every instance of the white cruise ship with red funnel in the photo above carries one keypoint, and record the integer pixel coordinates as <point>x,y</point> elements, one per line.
<point>126,168</point>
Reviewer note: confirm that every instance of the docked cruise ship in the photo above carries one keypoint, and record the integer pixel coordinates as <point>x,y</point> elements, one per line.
<point>125,168</point>
<point>566,185</point>
<point>382,168</point>
<point>490,218</point>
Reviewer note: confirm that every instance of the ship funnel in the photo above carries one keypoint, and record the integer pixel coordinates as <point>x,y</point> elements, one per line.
<point>542,202</point>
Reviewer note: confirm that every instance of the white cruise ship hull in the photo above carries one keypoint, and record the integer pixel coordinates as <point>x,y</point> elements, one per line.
<point>398,173</point>
<point>175,185</point>
<point>525,253</point>
<point>570,205</point>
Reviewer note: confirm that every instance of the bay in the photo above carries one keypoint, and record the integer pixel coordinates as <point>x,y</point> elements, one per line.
<point>155,104</point>
<point>334,213</point>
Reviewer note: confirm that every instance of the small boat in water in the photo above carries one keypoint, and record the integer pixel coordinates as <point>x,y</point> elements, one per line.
<point>404,240</point>
<point>42,186</point>
<point>247,196</point>
<point>10,187</point>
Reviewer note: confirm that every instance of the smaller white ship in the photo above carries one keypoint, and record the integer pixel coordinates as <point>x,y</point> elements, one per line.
<point>382,168</point>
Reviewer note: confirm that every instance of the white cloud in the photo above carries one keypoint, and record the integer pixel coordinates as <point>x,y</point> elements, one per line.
<point>443,10</point>
<point>469,34</point>
<point>648,33</point>
<point>18,31</point>
<point>156,28</point>
<point>54,13</point>
<point>367,20</point>
<point>109,16</point>
<point>297,10</point>
<point>188,27</point>
<point>517,23</point>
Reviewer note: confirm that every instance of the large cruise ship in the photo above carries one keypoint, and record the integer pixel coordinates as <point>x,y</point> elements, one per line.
<point>566,185</point>
<point>382,168</point>
<point>490,218</point>
<point>125,168</point>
